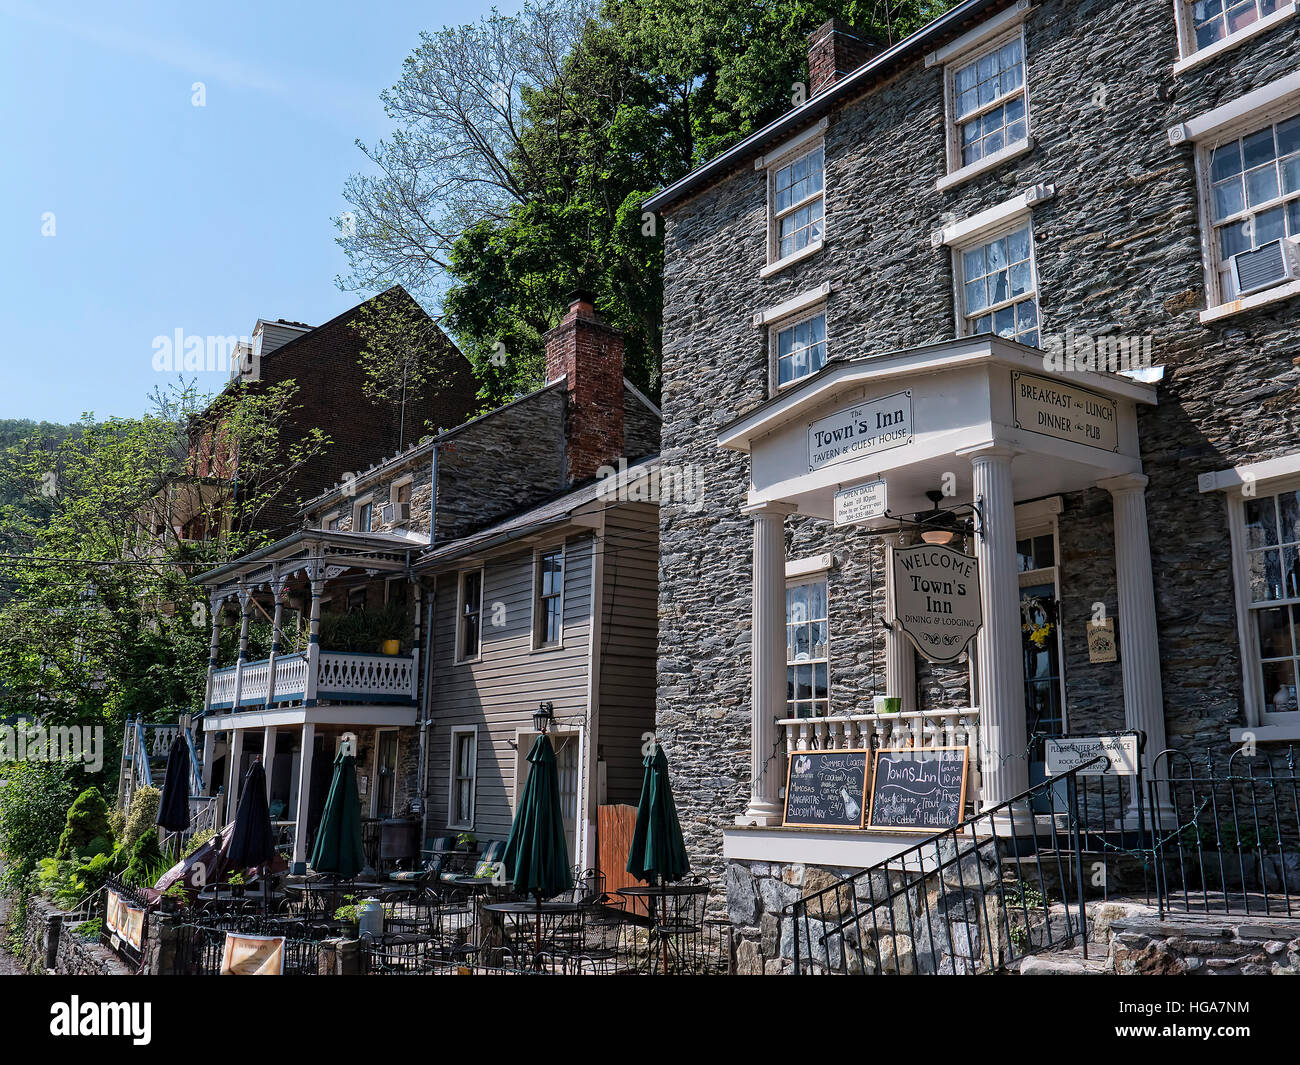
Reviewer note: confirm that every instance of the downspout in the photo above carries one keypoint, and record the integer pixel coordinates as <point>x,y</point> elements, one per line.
<point>426,713</point>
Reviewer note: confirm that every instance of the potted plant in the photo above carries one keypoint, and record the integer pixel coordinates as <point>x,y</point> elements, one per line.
<point>236,881</point>
<point>466,841</point>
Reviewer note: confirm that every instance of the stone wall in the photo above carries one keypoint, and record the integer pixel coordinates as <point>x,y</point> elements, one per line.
<point>74,955</point>
<point>1118,252</point>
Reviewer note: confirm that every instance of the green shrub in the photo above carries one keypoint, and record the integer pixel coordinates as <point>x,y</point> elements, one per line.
<point>141,818</point>
<point>86,832</point>
<point>198,840</point>
<point>33,809</point>
<point>90,929</point>
<point>147,862</point>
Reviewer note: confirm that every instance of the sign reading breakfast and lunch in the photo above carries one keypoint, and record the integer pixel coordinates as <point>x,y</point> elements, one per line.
<point>870,427</point>
<point>1053,408</point>
<point>936,599</point>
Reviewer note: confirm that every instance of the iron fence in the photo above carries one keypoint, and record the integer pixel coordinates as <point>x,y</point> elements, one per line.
<point>200,948</point>
<point>1225,835</point>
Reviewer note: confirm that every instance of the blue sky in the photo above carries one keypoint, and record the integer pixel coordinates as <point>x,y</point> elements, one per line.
<point>166,215</point>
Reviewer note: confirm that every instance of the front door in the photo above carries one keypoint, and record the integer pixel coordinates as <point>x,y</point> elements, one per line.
<point>1040,641</point>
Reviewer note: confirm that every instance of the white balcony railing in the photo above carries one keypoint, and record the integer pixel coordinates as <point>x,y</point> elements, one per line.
<point>340,677</point>
<point>918,728</point>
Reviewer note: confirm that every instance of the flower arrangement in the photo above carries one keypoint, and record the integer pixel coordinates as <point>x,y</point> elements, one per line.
<point>1036,621</point>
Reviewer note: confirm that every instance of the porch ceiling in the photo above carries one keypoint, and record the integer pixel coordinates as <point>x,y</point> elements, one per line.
<point>356,716</point>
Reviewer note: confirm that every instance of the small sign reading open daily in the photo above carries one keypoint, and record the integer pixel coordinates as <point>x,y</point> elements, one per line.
<point>1050,407</point>
<point>876,425</point>
<point>861,503</point>
<point>936,599</point>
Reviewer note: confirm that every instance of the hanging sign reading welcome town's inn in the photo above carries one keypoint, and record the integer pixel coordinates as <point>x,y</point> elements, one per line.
<point>936,599</point>
<point>872,426</point>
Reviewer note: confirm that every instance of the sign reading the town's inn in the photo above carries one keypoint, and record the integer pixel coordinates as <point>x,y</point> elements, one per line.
<point>872,426</point>
<point>1047,406</point>
<point>936,599</point>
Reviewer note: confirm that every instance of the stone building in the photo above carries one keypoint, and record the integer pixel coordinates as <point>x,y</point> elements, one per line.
<point>1038,259</point>
<point>430,602</point>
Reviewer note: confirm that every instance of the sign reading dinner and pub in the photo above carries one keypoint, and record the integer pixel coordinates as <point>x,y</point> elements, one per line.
<point>870,427</point>
<point>1053,408</point>
<point>936,599</point>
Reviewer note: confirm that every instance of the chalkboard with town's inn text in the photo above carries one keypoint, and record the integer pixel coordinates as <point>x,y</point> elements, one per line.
<point>918,788</point>
<point>826,789</point>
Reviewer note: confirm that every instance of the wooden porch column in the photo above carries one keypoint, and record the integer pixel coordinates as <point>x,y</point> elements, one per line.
<point>277,617</point>
<point>1005,772</point>
<point>245,615</point>
<point>313,643</point>
<point>900,657</point>
<point>768,684</point>
<point>268,754</point>
<point>304,799</point>
<point>233,774</point>
<point>216,608</point>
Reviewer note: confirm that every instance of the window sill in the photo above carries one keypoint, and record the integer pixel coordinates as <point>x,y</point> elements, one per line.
<point>1235,40</point>
<point>803,253</point>
<point>989,162</point>
<point>1267,733</point>
<point>545,649</point>
<point>1249,303</point>
<point>467,661</point>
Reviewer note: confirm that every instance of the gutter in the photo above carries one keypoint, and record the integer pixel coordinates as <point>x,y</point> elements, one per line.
<point>823,103</point>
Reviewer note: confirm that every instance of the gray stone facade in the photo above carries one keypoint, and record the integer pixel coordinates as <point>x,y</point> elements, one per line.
<point>1118,252</point>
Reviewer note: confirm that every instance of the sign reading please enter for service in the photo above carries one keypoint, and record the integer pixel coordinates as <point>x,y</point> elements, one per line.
<point>872,426</point>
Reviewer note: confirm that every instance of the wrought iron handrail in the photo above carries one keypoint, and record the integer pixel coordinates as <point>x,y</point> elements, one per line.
<point>955,876</point>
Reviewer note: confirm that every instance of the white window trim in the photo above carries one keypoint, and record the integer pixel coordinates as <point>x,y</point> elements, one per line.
<point>981,34</point>
<point>979,227</point>
<point>460,658</point>
<point>457,731</point>
<point>333,515</point>
<point>1265,106</point>
<point>788,153</point>
<point>794,305</point>
<point>1266,478</point>
<point>774,330</point>
<point>356,512</point>
<point>952,138</point>
<point>401,482</point>
<point>812,566</point>
<point>535,645</point>
<point>984,236</point>
<point>1192,57</point>
<point>812,578</point>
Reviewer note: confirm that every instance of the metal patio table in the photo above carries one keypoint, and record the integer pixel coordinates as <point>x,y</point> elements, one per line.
<point>675,929</point>
<point>531,926</point>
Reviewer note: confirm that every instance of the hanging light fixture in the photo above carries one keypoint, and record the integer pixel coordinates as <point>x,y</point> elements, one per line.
<point>543,716</point>
<point>938,527</point>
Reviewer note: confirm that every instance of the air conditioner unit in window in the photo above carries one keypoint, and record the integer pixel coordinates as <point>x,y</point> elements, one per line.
<point>386,513</point>
<point>403,512</point>
<point>1269,265</point>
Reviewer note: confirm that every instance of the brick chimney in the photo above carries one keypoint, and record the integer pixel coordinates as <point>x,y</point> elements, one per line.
<point>834,50</point>
<point>587,352</point>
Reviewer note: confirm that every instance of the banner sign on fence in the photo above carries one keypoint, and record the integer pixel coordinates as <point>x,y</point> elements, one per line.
<point>1063,753</point>
<point>252,955</point>
<point>124,921</point>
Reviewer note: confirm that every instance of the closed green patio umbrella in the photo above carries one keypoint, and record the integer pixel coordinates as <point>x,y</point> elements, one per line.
<point>338,839</point>
<point>658,852</point>
<point>536,857</point>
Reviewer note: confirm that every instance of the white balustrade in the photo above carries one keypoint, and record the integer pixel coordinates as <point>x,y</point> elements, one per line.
<point>388,677</point>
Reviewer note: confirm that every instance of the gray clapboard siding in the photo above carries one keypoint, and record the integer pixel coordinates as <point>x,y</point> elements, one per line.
<point>499,693</point>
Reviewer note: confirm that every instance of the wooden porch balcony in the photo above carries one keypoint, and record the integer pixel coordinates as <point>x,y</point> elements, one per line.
<point>341,677</point>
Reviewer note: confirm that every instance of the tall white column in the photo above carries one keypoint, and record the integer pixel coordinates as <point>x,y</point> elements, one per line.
<point>304,799</point>
<point>232,773</point>
<point>268,755</point>
<point>768,668</point>
<point>1139,647</point>
<point>998,649</point>
<point>313,643</point>
<point>900,656</point>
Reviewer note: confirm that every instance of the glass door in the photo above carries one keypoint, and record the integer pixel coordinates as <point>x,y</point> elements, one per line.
<point>1040,641</point>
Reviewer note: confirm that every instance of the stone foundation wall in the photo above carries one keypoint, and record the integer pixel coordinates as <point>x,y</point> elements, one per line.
<point>74,956</point>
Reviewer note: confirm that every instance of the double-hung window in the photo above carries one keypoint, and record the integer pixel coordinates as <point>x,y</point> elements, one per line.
<point>464,770</point>
<point>469,633</point>
<point>797,204</point>
<point>800,347</point>
<point>807,655</point>
<point>363,516</point>
<point>998,286</point>
<point>989,107</point>
<point>1254,204</point>
<point>1272,546</point>
<point>1207,28</point>
<point>548,606</point>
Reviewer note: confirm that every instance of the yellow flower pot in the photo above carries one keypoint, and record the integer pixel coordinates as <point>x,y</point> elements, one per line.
<point>390,647</point>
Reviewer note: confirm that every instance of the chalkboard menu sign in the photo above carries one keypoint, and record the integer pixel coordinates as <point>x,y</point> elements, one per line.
<point>920,788</point>
<point>826,789</point>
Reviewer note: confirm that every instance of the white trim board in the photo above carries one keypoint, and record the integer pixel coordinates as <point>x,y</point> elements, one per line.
<point>793,305</point>
<point>981,34</point>
<point>1250,472</point>
<point>969,229</point>
<point>1207,125</point>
